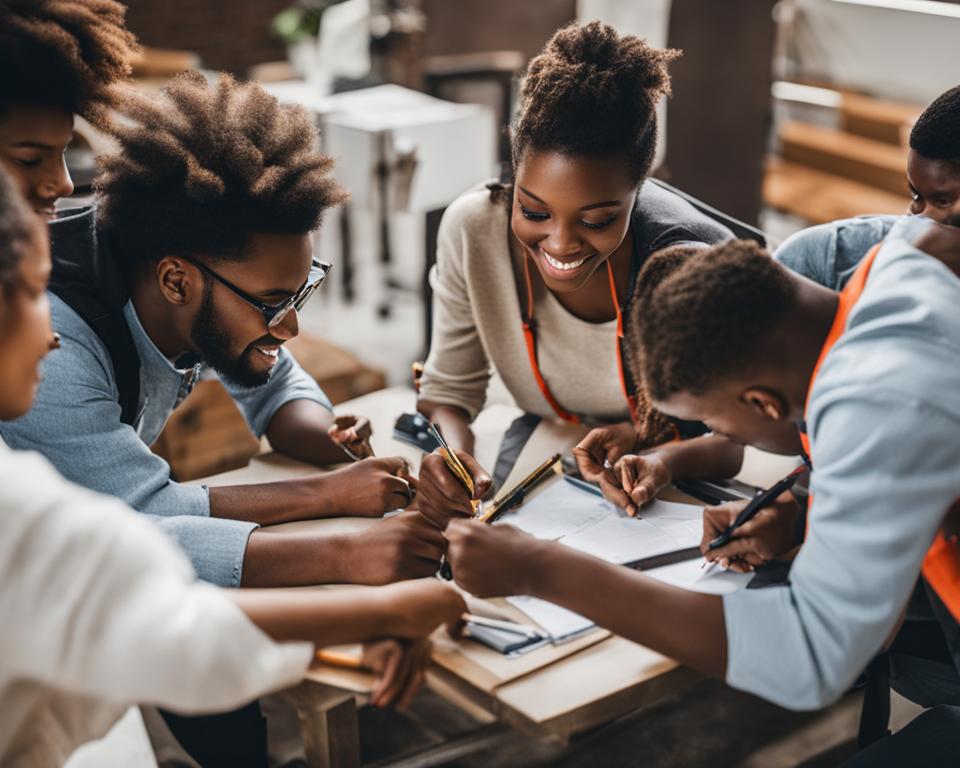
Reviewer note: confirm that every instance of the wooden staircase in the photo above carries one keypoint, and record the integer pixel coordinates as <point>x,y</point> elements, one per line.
<point>824,174</point>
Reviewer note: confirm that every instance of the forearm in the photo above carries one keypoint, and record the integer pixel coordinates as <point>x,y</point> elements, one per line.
<point>326,617</point>
<point>707,456</point>
<point>686,626</point>
<point>281,559</point>
<point>454,423</point>
<point>271,503</point>
<point>299,429</point>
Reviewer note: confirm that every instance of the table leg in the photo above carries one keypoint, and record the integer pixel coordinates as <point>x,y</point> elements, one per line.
<point>328,721</point>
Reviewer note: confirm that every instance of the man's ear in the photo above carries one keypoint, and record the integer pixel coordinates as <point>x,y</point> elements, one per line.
<point>766,403</point>
<point>179,281</point>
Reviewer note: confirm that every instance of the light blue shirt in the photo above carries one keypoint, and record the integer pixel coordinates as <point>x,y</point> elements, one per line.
<point>75,423</point>
<point>884,426</point>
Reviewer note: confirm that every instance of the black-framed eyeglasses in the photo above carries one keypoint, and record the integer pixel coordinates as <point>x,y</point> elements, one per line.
<point>273,314</point>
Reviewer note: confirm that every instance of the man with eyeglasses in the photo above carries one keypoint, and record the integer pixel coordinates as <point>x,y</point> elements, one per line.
<point>199,253</point>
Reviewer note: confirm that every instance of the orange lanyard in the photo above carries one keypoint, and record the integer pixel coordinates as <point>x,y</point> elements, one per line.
<point>530,334</point>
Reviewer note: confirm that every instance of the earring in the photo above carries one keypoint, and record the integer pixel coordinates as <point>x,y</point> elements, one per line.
<point>54,341</point>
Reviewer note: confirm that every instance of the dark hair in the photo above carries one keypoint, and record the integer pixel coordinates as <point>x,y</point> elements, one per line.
<point>18,225</point>
<point>593,92</point>
<point>707,317</point>
<point>63,53</point>
<point>936,134</point>
<point>202,167</point>
<point>652,427</point>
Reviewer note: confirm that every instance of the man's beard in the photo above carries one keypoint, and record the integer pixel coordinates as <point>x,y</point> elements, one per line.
<point>214,347</point>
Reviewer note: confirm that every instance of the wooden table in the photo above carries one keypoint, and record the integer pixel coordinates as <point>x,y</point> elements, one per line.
<point>553,692</point>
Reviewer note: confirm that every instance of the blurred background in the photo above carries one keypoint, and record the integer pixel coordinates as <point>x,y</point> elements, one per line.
<point>784,114</point>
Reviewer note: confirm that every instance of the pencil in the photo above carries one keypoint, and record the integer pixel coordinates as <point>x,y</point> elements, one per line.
<point>339,659</point>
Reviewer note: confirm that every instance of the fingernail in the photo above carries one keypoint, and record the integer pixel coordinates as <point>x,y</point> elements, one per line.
<point>725,563</point>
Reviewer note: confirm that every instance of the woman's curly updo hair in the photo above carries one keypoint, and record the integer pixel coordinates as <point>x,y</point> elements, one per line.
<point>593,92</point>
<point>18,227</point>
<point>202,167</point>
<point>63,53</point>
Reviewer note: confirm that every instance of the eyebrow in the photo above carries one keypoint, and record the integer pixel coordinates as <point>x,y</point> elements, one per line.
<point>603,204</point>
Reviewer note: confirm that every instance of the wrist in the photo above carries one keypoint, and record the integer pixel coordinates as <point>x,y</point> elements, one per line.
<point>665,468</point>
<point>534,564</point>
<point>319,497</point>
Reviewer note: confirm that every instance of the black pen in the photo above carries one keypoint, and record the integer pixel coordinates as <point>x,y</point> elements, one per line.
<point>760,500</point>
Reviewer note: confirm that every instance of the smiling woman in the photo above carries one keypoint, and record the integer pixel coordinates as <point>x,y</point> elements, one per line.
<point>532,279</point>
<point>59,58</point>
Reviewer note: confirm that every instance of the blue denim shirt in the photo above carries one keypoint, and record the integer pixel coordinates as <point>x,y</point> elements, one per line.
<point>829,253</point>
<point>75,422</point>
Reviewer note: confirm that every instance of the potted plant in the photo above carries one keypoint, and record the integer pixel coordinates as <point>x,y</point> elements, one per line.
<point>299,26</point>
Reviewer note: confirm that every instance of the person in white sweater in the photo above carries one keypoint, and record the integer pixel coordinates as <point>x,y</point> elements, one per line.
<point>99,608</point>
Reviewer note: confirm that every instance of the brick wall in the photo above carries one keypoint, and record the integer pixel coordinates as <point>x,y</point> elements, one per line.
<point>228,34</point>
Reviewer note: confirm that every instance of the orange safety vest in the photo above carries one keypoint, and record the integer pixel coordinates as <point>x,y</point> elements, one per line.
<point>941,565</point>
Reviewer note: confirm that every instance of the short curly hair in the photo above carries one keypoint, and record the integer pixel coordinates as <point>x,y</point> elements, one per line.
<point>64,53</point>
<point>204,166</point>
<point>936,134</point>
<point>593,92</point>
<point>707,317</point>
<point>18,225</point>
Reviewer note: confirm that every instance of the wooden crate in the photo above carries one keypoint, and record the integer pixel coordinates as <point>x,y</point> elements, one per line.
<point>207,434</point>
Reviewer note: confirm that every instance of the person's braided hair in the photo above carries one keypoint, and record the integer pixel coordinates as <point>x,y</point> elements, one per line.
<point>652,427</point>
<point>936,134</point>
<point>706,319</point>
<point>18,226</point>
<point>202,167</point>
<point>63,53</point>
<point>593,92</point>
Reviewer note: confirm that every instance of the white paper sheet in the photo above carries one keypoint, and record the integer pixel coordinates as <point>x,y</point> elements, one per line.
<point>584,521</point>
<point>558,622</point>
<point>711,581</point>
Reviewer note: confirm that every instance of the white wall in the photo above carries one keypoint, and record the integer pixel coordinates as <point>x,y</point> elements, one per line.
<point>907,50</point>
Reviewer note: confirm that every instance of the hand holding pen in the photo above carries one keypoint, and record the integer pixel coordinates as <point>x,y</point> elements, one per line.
<point>745,534</point>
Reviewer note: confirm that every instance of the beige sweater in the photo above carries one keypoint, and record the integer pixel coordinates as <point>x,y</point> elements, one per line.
<point>477,320</point>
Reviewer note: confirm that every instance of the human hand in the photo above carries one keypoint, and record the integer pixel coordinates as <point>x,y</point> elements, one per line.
<point>353,434</point>
<point>603,447</point>
<point>405,546</point>
<point>368,488</point>
<point>441,496</point>
<point>635,480</point>
<point>490,560</point>
<point>416,608</point>
<point>400,667</point>
<point>770,534</point>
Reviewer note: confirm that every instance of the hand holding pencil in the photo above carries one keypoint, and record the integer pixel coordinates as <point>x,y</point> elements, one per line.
<point>446,491</point>
<point>352,434</point>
